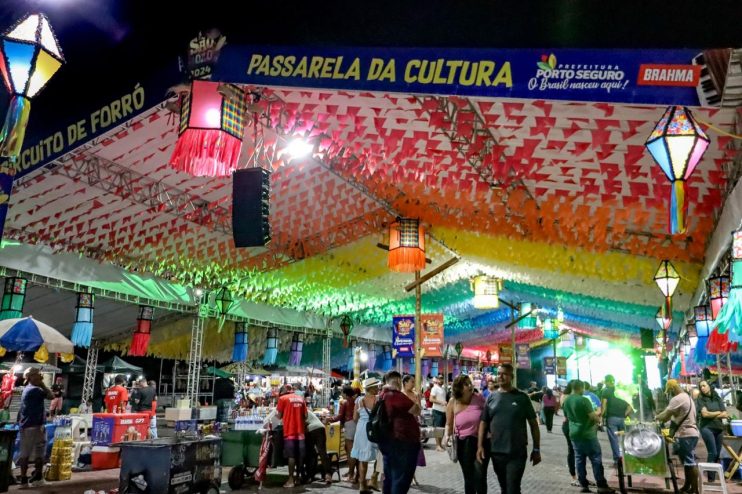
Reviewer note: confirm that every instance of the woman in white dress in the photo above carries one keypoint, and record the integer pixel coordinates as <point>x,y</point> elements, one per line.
<point>364,451</point>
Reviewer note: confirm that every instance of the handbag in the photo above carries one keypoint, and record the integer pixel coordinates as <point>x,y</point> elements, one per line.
<point>452,446</point>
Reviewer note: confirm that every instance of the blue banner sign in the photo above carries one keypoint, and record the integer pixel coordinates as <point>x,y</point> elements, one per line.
<point>620,76</point>
<point>403,336</point>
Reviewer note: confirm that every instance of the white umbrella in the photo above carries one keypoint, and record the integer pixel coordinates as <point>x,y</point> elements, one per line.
<point>27,335</point>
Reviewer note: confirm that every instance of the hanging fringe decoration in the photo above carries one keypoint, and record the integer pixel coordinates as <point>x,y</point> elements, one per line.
<point>678,208</point>
<point>387,360</point>
<point>271,347</point>
<point>140,339</point>
<point>241,347</point>
<point>356,356</point>
<point>212,124</point>
<point>718,343</point>
<point>82,329</point>
<point>729,318</point>
<point>297,346</point>
<point>14,295</point>
<point>700,355</point>
<point>406,246</point>
<point>66,358</point>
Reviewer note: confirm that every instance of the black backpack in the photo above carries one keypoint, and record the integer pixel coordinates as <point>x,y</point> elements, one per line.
<point>379,425</point>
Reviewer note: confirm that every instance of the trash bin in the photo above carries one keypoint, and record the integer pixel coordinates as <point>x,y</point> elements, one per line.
<point>7,440</point>
<point>170,465</point>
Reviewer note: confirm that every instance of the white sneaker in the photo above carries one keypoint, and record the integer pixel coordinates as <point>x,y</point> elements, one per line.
<point>38,483</point>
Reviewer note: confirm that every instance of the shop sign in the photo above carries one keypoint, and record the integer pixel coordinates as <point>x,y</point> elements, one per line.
<point>506,354</point>
<point>562,366</point>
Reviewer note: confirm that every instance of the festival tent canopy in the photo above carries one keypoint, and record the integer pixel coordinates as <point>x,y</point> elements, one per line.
<point>558,198</point>
<point>117,365</point>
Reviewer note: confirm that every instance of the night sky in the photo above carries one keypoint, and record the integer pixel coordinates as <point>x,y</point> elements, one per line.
<point>106,41</point>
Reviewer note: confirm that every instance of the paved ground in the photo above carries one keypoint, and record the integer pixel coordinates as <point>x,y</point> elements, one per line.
<point>439,477</point>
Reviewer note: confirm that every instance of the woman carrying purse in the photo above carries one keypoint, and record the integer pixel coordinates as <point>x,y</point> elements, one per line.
<point>462,416</point>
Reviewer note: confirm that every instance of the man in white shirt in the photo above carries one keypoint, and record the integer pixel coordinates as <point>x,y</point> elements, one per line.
<point>438,399</point>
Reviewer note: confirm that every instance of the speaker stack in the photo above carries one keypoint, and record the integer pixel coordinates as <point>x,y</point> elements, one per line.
<point>251,192</point>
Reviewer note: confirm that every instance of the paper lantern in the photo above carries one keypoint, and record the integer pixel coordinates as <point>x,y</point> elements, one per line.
<point>406,246</point>
<point>29,57</point>
<point>704,320</point>
<point>346,326</point>
<point>212,124</point>
<point>224,301</point>
<point>718,293</point>
<point>677,144</point>
<point>486,292</point>
<point>664,315</point>
<point>297,347</point>
<point>528,322</point>
<point>667,278</point>
<point>271,347</point>
<point>14,295</point>
<point>241,347</point>
<point>82,329</point>
<point>140,339</point>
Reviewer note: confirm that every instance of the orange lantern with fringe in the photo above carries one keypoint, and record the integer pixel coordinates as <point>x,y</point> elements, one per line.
<point>406,245</point>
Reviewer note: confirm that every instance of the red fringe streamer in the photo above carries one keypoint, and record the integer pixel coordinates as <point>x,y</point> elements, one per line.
<point>206,153</point>
<point>407,259</point>
<point>139,344</point>
<point>719,343</point>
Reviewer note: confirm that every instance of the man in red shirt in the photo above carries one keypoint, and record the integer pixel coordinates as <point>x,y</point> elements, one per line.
<point>401,448</point>
<point>292,409</point>
<point>116,396</point>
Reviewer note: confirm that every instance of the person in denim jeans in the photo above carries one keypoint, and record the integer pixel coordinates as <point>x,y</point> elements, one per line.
<point>682,411</point>
<point>583,432</point>
<point>712,410</point>
<point>614,410</point>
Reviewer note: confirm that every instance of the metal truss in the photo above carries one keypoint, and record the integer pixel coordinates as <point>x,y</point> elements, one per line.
<point>326,367</point>
<point>91,365</point>
<point>141,189</point>
<point>46,281</point>
<point>464,142</point>
<point>194,359</point>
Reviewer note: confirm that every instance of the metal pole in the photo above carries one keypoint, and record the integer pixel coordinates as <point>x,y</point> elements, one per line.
<point>556,374</point>
<point>718,369</point>
<point>641,399</point>
<point>91,365</point>
<point>513,360</point>
<point>418,333</point>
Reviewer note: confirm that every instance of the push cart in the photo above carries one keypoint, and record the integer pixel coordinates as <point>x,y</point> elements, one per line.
<point>241,451</point>
<point>646,452</point>
<point>171,465</point>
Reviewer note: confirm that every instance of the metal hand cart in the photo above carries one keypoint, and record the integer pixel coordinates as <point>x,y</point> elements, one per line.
<point>646,451</point>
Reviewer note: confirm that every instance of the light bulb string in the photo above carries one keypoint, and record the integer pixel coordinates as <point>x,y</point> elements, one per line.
<point>717,129</point>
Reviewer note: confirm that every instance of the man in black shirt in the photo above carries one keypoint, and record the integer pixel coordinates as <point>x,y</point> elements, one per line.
<point>614,410</point>
<point>505,415</point>
<point>142,397</point>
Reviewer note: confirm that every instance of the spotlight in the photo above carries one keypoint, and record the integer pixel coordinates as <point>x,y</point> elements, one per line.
<point>298,148</point>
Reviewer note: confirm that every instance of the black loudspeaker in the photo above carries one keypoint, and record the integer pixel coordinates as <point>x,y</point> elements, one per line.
<point>647,339</point>
<point>251,192</point>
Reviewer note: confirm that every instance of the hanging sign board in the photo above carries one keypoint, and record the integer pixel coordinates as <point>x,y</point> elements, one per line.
<point>403,336</point>
<point>432,334</point>
<point>621,76</point>
<point>506,354</point>
<point>549,365</point>
<point>562,366</point>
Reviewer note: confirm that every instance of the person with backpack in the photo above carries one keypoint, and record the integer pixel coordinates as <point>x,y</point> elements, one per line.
<point>681,411</point>
<point>364,451</point>
<point>615,411</point>
<point>393,425</point>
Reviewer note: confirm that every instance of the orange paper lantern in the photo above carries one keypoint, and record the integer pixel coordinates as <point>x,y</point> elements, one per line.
<point>406,245</point>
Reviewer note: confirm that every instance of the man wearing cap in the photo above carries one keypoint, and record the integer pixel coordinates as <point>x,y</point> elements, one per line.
<point>438,399</point>
<point>682,411</point>
<point>292,409</point>
<point>31,418</point>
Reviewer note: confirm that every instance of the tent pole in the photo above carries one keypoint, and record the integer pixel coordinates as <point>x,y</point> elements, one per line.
<point>418,333</point>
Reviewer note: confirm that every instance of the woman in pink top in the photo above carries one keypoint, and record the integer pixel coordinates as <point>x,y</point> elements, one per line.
<point>550,407</point>
<point>462,419</point>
